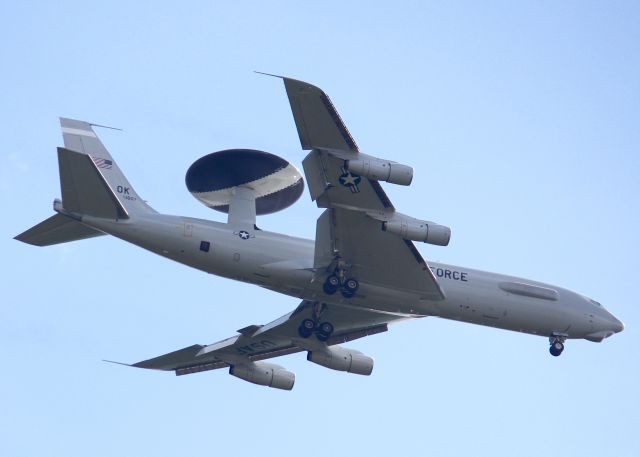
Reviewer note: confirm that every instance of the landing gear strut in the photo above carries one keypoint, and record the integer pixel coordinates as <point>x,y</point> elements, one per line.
<point>557,345</point>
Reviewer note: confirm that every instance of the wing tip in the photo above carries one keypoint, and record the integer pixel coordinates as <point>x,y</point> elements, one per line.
<point>118,363</point>
<point>292,80</point>
<point>269,74</point>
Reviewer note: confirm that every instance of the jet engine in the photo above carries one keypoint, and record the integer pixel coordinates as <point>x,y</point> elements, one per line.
<point>381,170</point>
<point>414,229</point>
<point>264,374</point>
<point>342,359</point>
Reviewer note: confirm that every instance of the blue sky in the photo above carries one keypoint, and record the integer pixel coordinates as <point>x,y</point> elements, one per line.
<point>522,122</point>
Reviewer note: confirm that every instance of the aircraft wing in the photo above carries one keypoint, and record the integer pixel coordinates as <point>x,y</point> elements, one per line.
<point>280,337</point>
<point>319,124</point>
<point>350,230</point>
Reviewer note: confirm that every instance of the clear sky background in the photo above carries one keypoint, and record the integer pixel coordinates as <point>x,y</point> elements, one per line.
<point>522,120</point>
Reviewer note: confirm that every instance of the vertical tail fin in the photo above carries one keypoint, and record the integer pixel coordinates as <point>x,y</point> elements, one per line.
<point>80,137</point>
<point>85,191</point>
<point>91,184</point>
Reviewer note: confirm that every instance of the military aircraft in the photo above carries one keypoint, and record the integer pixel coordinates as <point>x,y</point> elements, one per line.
<point>360,274</point>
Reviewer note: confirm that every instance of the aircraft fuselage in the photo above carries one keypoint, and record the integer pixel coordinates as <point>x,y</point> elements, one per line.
<point>286,264</point>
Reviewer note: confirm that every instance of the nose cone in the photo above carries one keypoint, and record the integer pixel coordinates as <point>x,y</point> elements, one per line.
<point>616,324</point>
<point>604,324</point>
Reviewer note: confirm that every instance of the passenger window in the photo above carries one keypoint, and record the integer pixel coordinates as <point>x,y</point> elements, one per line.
<point>204,246</point>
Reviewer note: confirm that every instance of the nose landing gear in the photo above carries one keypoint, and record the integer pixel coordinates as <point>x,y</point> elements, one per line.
<point>557,345</point>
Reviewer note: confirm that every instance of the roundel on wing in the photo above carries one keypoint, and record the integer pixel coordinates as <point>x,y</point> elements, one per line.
<point>213,178</point>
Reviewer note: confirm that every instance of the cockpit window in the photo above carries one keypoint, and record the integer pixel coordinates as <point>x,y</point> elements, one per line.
<point>595,303</point>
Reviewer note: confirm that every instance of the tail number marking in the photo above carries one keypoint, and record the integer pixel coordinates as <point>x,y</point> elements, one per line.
<point>124,191</point>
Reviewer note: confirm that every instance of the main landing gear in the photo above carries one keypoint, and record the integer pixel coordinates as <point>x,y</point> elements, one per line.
<point>322,330</point>
<point>331,285</point>
<point>557,345</point>
<point>308,327</point>
<point>338,280</point>
<point>347,287</point>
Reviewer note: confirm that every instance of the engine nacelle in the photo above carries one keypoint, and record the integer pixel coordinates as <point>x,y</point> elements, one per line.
<point>342,359</point>
<point>264,374</point>
<point>413,229</point>
<point>381,170</point>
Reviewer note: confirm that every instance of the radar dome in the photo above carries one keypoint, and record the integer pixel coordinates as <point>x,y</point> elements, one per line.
<point>212,179</point>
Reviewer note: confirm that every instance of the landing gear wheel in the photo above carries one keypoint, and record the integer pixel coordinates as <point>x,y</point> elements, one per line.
<point>346,293</point>
<point>306,328</point>
<point>351,285</point>
<point>326,328</point>
<point>331,285</point>
<point>308,324</point>
<point>556,348</point>
<point>329,289</point>
<point>324,331</point>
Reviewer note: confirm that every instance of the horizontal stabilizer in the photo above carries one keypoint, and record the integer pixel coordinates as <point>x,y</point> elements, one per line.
<point>57,229</point>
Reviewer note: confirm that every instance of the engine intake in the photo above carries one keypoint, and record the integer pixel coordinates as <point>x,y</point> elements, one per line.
<point>413,229</point>
<point>381,170</point>
<point>342,359</point>
<point>264,374</point>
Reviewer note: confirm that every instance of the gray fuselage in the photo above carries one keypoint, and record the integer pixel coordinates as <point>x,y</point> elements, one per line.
<point>286,264</point>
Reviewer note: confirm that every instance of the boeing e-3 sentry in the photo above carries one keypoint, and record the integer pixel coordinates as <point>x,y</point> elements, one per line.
<point>360,274</point>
